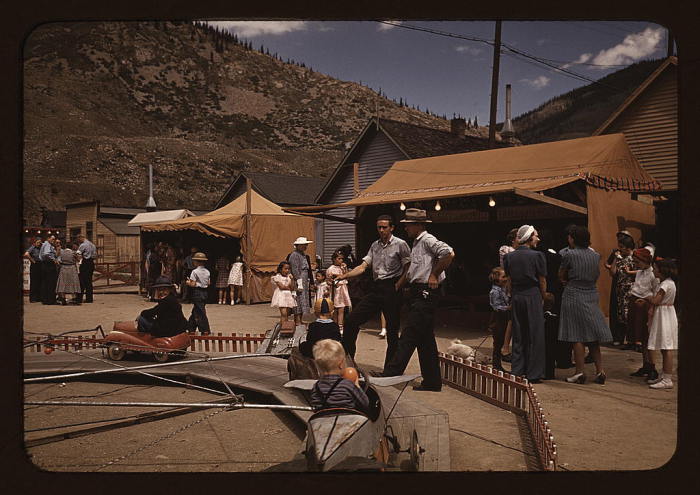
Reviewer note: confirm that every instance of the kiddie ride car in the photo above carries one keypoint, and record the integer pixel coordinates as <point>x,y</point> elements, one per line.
<point>126,337</point>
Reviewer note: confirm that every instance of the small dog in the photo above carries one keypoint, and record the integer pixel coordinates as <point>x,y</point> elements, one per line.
<point>461,350</point>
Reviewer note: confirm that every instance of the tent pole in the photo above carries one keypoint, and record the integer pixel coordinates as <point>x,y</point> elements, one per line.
<point>248,233</point>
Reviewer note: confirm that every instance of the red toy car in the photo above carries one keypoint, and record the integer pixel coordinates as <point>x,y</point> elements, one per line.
<point>126,337</point>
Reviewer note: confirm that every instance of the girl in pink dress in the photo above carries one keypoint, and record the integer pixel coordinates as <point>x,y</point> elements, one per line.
<point>284,296</point>
<point>341,296</point>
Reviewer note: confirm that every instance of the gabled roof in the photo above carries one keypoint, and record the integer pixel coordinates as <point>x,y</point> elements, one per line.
<point>119,226</point>
<point>603,161</point>
<point>53,218</point>
<point>414,141</point>
<point>280,189</point>
<point>636,94</point>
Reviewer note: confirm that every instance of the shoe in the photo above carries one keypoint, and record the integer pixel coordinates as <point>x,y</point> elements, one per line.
<point>653,375</point>
<point>655,380</point>
<point>424,388</point>
<point>616,343</point>
<point>638,348</point>
<point>643,371</point>
<point>588,359</point>
<point>382,334</point>
<point>663,383</point>
<point>600,378</point>
<point>507,357</point>
<point>577,378</point>
<point>233,303</point>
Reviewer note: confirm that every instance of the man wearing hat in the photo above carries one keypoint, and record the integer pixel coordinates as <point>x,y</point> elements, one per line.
<point>300,265</point>
<point>166,318</point>
<point>527,270</point>
<point>429,259</point>
<point>199,282</point>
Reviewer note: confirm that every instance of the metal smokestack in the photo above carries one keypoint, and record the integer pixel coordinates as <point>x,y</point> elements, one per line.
<point>508,132</point>
<point>151,203</point>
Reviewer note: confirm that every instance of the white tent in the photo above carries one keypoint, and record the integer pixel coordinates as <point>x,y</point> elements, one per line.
<point>158,217</point>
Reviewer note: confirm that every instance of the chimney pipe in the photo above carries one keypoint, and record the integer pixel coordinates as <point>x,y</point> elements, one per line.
<point>507,132</point>
<point>151,203</point>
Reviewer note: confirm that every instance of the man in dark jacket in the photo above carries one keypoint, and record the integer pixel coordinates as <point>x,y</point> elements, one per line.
<point>166,318</point>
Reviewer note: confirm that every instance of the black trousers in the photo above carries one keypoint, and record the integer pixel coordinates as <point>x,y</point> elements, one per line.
<point>87,268</point>
<point>500,321</point>
<point>198,318</point>
<point>528,335</point>
<point>382,297</point>
<point>35,282</point>
<point>49,277</point>
<point>551,333</point>
<point>418,334</point>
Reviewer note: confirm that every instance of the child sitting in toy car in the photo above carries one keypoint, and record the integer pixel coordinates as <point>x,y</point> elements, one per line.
<point>332,390</point>
<point>166,318</point>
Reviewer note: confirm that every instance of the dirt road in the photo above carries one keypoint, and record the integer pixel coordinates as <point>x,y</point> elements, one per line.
<point>595,427</point>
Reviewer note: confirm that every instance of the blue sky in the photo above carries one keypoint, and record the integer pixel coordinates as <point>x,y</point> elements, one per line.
<point>450,75</point>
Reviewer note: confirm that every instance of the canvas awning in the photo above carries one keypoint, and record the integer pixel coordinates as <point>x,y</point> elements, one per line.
<point>602,161</point>
<point>273,230</point>
<point>159,216</point>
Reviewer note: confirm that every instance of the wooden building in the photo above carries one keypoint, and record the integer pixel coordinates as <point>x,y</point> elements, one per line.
<point>107,227</point>
<point>381,143</point>
<point>648,118</point>
<point>283,190</point>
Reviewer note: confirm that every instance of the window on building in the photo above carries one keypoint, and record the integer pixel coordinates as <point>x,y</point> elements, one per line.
<point>89,230</point>
<point>73,235</point>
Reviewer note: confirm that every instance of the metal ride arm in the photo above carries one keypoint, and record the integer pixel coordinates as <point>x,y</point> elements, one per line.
<point>202,405</point>
<point>149,366</point>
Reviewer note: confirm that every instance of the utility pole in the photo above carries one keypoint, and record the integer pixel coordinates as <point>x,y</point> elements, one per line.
<point>494,85</point>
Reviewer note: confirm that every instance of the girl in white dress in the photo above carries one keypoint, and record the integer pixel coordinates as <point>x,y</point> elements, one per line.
<point>284,296</point>
<point>235,281</point>
<point>341,296</point>
<point>663,330</point>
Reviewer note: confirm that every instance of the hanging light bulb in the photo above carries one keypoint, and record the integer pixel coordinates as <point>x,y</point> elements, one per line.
<point>402,207</point>
<point>437,206</point>
<point>492,202</point>
<point>38,231</point>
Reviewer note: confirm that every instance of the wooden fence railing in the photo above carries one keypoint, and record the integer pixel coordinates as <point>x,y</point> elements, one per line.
<point>507,391</point>
<point>236,343</point>
<point>126,272</point>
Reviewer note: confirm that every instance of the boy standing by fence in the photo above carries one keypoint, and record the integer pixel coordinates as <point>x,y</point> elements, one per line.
<point>199,282</point>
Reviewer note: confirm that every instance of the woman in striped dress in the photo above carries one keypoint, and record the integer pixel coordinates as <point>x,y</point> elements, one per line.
<point>582,321</point>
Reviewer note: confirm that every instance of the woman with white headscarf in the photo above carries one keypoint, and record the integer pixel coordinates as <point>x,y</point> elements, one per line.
<point>527,270</point>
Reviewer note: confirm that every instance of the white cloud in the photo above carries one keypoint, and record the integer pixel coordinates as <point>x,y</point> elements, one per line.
<point>468,49</point>
<point>633,48</point>
<point>387,27</point>
<point>250,29</point>
<point>538,82</point>
<point>583,58</point>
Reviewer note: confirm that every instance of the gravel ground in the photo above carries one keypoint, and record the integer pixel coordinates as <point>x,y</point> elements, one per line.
<point>595,427</point>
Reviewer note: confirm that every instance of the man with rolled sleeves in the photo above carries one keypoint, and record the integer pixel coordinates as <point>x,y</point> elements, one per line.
<point>429,259</point>
<point>88,252</point>
<point>527,270</point>
<point>388,257</point>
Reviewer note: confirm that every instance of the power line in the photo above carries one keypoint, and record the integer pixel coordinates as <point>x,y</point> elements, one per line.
<point>521,53</point>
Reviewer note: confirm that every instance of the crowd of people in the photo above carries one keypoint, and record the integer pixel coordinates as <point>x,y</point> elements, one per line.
<point>538,322</point>
<point>57,272</point>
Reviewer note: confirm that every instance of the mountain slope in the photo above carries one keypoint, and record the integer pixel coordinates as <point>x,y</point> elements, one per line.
<point>581,111</point>
<point>103,100</point>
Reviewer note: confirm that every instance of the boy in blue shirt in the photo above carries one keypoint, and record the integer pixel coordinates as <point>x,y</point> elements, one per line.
<point>500,303</point>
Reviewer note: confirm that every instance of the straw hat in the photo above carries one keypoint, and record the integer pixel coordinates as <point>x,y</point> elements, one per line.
<point>200,257</point>
<point>162,282</point>
<point>415,215</point>
<point>302,240</point>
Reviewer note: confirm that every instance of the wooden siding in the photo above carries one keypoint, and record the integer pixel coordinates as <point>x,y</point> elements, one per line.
<point>375,156</point>
<point>78,216</point>
<point>113,248</point>
<point>650,125</point>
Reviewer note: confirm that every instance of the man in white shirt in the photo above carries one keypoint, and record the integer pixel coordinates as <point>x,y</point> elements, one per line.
<point>429,259</point>
<point>199,282</point>
<point>88,253</point>
<point>388,258</point>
